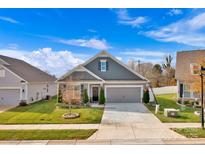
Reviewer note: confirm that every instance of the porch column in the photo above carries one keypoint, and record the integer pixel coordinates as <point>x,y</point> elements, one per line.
<point>178,88</point>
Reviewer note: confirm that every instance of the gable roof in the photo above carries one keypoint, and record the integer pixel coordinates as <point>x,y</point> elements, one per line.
<point>183,61</point>
<point>104,54</point>
<point>82,71</point>
<point>25,71</point>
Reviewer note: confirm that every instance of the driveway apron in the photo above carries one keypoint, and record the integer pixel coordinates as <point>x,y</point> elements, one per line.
<point>131,121</point>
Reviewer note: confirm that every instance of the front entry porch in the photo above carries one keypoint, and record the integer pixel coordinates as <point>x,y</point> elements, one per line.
<point>94,93</point>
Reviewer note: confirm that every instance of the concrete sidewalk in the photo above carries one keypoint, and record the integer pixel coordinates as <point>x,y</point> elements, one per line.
<point>107,142</point>
<point>50,126</point>
<point>183,125</point>
<point>94,126</point>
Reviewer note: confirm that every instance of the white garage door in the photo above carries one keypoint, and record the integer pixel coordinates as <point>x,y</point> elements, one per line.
<point>123,94</point>
<point>9,96</point>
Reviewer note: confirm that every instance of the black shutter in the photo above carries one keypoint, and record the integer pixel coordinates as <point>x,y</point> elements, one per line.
<point>181,90</point>
<point>99,65</point>
<point>107,66</point>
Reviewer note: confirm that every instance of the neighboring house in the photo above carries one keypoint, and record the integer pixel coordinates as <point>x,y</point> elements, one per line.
<point>183,74</point>
<point>120,83</point>
<point>20,81</point>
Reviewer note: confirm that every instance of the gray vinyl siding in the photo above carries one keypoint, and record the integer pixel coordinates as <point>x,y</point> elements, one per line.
<point>79,75</point>
<point>10,80</point>
<point>115,70</point>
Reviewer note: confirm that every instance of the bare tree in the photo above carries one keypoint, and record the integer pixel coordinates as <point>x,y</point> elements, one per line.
<point>168,62</point>
<point>131,64</point>
<point>145,69</point>
<point>156,76</point>
<point>71,93</point>
<point>169,71</point>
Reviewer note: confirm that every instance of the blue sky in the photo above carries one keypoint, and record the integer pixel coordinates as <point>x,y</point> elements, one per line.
<point>56,40</point>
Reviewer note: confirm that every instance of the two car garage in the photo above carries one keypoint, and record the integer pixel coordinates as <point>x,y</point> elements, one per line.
<point>123,93</point>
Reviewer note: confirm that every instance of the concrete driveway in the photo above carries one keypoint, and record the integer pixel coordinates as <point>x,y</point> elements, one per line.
<point>131,121</point>
<point>5,107</point>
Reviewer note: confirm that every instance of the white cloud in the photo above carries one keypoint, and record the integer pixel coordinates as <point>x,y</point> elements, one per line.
<point>92,30</point>
<point>55,62</point>
<point>89,43</point>
<point>119,58</point>
<point>144,53</point>
<point>124,18</point>
<point>13,46</point>
<point>8,19</point>
<point>173,12</point>
<point>186,31</point>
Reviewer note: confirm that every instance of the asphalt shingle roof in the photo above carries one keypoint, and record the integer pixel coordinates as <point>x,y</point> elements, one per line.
<point>26,71</point>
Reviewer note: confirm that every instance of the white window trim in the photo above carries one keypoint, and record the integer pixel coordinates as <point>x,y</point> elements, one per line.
<point>191,93</point>
<point>101,62</point>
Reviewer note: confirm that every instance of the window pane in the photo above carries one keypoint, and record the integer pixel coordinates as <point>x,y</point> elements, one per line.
<point>103,65</point>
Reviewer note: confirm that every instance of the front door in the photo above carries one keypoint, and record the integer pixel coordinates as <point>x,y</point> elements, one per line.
<point>95,93</point>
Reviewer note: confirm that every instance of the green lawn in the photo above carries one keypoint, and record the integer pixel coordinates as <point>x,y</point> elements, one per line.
<point>45,134</point>
<point>46,112</point>
<point>191,132</point>
<point>169,101</point>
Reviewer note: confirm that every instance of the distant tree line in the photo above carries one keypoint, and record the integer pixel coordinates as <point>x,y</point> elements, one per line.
<point>158,74</point>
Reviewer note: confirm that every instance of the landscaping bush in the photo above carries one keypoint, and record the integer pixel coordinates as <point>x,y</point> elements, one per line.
<point>189,103</point>
<point>179,101</point>
<point>23,103</point>
<point>146,97</point>
<point>60,97</point>
<point>74,101</point>
<point>85,96</point>
<point>102,96</point>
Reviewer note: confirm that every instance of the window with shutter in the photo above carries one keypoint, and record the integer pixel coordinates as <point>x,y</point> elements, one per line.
<point>103,65</point>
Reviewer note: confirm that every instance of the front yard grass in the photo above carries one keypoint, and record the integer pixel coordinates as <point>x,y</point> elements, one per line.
<point>191,132</point>
<point>46,112</point>
<point>45,134</point>
<point>169,101</point>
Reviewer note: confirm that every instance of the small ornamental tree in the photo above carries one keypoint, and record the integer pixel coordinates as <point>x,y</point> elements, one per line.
<point>146,97</point>
<point>102,96</point>
<point>85,96</point>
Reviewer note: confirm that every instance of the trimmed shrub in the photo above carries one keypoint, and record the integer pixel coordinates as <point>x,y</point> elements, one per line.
<point>146,97</point>
<point>60,97</point>
<point>102,96</point>
<point>23,103</point>
<point>85,96</point>
<point>179,101</point>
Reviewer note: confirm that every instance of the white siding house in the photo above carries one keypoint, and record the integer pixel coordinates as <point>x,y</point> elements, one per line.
<point>20,81</point>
